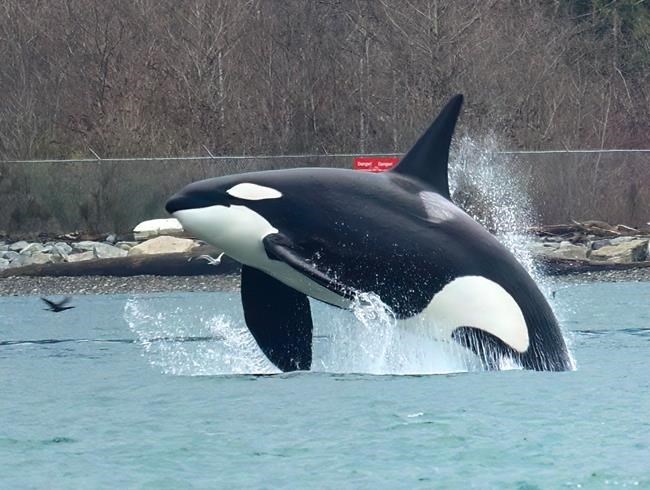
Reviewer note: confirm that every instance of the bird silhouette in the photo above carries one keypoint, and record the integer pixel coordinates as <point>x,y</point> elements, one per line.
<point>57,307</point>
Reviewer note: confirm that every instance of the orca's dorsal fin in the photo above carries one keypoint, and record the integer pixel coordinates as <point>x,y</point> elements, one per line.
<point>428,158</point>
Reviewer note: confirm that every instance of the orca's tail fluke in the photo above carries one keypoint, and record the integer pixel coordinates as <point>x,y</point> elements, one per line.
<point>428,158</point>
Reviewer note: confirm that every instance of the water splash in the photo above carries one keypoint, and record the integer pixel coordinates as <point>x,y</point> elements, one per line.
<point>489,188</point>
<point>492,188</point>
<point>378,326</point>
<point>230,350</point>
<point>367,341</point>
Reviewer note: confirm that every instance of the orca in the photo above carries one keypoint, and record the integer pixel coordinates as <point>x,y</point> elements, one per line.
<point>330,234</point>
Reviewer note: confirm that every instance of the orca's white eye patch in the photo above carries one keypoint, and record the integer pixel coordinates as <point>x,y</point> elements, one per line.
<point>253,192</point>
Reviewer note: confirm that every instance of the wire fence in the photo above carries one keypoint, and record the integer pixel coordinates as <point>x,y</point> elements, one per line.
<point>108,195</point>
<point>209,157</point>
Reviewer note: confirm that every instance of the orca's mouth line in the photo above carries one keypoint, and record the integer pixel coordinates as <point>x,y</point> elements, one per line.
<point>189,202</point>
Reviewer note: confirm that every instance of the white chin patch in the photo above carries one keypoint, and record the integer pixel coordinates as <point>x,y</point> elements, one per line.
<point>474,301</point>
<point>253,192</point>
<point>239,232</point>
<point>236,230</point>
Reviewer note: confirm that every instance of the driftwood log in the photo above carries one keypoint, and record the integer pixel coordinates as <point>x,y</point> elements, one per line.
<point>576,230</point>
<point>556,266</point>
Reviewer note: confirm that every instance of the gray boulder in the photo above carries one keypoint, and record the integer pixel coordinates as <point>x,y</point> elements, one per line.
<point>598,244</point>
<point>63,247</point>
<point>18,246</point>
<point>80,257</point>
<point>568,250</point>
<point>14,258</point>
<point>622,239</point>
<point>39,258</point>
<point>4,264</point>
<point>562,250</point>
<point>157,227</point>
<point>163,245</point>
<point>542,248</point>
<point>106,251</point>
<point>624,252</point>
<point>59,252</point>
<point>126,245</point>
<point>31,249</point>
<point>10,255</point>
<point>84,246</point>
<point>101,250</point>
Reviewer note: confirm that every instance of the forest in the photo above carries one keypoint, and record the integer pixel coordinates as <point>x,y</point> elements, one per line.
<point>160,77</point>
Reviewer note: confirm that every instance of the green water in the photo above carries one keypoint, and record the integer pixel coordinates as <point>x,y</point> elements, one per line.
<point>108,395</point>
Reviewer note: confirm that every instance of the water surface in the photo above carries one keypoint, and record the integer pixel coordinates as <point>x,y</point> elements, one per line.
<point>133,392</point>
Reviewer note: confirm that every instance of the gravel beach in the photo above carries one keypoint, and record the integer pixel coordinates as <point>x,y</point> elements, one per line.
<point>44,286</point>
<point>629,275</point>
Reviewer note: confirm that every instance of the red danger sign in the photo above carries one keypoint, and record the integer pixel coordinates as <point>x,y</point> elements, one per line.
<point>375,164</point>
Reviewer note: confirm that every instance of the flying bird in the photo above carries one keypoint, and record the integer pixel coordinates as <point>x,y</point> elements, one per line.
<point>210,260</point>
<point>57,307</point>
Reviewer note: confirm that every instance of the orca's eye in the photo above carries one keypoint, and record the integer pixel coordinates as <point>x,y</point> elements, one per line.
<point>253,192</point>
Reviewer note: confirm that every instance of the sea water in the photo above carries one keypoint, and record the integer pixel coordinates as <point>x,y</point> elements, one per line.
<point>152,391</point>
<point>170,390</point>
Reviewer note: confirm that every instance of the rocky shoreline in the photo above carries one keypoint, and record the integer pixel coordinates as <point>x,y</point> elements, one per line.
<point>591,241</point>
<point>21,253</point>
<point>592,251</point>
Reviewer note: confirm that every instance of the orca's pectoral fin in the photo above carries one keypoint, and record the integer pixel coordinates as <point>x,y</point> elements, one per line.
<point>489,348</point>
<point>279,318</point>
<point>280,247</point>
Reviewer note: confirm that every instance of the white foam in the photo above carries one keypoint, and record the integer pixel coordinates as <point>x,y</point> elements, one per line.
<point>367,341</point>
<point>230,349</point>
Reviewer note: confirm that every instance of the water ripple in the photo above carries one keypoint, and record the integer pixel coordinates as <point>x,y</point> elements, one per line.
<point>107,341</point>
